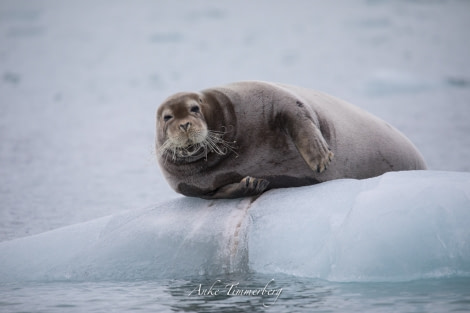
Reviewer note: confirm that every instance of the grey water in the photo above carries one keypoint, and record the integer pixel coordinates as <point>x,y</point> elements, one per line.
<point>193,294</point>
<point>80,82</point>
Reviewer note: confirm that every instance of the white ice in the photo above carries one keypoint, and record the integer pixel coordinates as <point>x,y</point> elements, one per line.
<point>400,226</point>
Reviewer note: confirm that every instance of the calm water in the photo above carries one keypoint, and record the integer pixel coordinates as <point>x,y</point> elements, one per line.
<point>75,145</point>
<point>297,294</point>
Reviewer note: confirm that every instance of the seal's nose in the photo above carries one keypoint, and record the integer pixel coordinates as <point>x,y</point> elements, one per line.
<point>185,127</point>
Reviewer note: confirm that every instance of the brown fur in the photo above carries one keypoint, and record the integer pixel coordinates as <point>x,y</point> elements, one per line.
<point>274,136</point>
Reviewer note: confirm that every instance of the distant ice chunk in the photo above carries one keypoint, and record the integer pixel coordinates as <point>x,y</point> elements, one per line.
<point>399,226</point>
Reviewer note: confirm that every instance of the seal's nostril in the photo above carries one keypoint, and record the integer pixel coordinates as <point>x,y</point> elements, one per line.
<point>185,127</point>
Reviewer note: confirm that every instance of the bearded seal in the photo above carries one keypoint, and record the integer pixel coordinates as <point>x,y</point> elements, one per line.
<point>244,138</point>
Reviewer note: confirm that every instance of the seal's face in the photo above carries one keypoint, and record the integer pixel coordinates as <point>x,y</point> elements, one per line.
<point>181,127</point>
<point>182,132</point>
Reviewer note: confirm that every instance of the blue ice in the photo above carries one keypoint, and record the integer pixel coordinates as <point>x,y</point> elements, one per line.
<point>396,227</point>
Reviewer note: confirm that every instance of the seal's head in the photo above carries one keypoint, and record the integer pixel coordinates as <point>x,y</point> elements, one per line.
<point>182,132</point>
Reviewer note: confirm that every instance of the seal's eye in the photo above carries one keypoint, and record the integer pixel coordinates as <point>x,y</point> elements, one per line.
<point>166,118</point>
<point>195,109</point>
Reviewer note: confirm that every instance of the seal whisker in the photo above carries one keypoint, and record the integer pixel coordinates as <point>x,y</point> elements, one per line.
<point>215,139</point>
<point>212,142</point>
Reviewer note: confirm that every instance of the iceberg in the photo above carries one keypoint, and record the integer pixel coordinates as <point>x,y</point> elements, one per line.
<point>397,227</point>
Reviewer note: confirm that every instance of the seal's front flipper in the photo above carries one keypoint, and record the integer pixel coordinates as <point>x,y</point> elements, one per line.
<point>312,146</point>
<point>253,185</point>
<point>248,186</point>
<point>302,125</point>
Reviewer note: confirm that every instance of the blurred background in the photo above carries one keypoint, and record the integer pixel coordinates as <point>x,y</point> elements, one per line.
<point>80,82</point>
